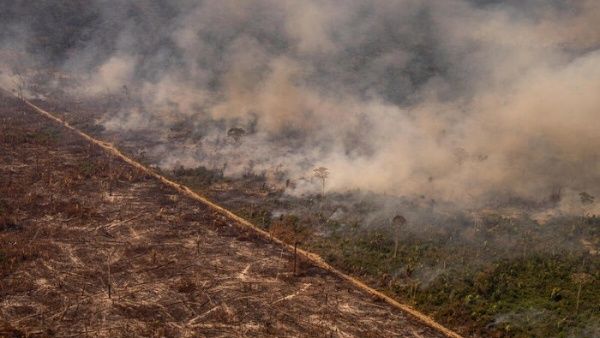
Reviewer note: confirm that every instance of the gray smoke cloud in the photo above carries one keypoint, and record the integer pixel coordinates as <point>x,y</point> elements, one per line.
<point>462,101</point>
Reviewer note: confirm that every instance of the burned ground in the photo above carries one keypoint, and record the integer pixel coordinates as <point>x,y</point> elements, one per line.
<point>92,246</point>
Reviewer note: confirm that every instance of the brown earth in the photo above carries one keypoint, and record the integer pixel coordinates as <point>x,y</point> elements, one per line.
<point>90,245</point>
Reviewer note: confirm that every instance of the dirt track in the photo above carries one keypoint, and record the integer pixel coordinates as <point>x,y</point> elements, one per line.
<point>94,246</point>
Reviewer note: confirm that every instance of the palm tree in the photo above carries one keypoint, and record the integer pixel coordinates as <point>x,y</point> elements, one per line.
<point>398,221</point>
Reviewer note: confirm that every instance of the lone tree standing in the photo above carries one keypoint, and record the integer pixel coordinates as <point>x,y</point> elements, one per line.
<point>289,229</point>
<point>580,279</point>
<point>236,134</point>
<point>397,222</point>
<point>322,173</point>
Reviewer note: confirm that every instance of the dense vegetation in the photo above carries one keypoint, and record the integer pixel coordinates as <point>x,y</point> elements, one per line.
<point>502,275</point>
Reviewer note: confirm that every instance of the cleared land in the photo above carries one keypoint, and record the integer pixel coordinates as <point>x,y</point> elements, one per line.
<point>92,246</point>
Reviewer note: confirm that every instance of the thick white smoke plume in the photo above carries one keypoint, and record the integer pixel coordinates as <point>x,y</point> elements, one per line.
<point>463,101</point>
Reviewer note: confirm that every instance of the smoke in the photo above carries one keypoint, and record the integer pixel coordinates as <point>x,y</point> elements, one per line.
<point>465,101</point>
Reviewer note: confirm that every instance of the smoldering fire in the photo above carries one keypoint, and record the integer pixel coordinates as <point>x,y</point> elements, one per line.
<point>459,100</point>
